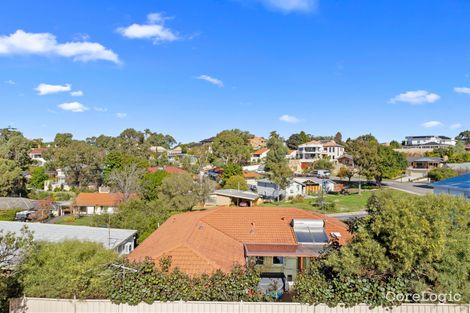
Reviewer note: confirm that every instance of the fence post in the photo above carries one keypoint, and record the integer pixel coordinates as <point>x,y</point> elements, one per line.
<point>240,307</point>
<point>74,301</point>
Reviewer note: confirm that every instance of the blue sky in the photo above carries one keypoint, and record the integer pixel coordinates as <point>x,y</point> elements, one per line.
<point>193,68</point>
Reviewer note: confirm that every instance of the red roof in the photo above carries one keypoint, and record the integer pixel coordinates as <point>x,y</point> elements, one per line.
<point>205,241</point>
<point>168,169</point>
<point>261,151</point>
<point>38,150</point>
<point>99,199</point>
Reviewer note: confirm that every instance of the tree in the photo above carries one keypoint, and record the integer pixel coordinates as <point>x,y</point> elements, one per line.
<point>231,169</point>
<point>295,140</point>
<point>62,140</point>
<point>143,216</point>
<point>441,173</point>
<point>177,192</point>
<point>17,149</point>
<point>276,162</point>
<point>338,138</point>
<point>232,146</point>
<point>236,182</point>
<point>395,144</point>
<point>374,160</point>
<point>151,183</point>
<point>345,172</point>
<point>67,269</point>
<point>391,251</point>
<point>11,179</point>
<point>38,177</point>
<point>80,161</point>
<point>126,180</point>
<point>13,250</point>
<point>463,136</point>
<point>322,164</point>
<point>157,139</point>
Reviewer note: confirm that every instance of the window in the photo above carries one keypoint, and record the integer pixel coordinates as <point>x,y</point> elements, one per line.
<point>259,260</point>
<point>278,260</point>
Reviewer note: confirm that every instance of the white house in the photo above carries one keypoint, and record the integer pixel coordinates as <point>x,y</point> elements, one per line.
<point>259,155</point>
<point>428,142</point>
<point>319,149</point>
<point>90,203</point>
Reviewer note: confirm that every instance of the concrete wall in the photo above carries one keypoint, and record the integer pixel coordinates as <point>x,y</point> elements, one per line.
<point>35,305</point>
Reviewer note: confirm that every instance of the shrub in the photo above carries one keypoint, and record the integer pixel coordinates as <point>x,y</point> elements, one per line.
<point>441,173</point>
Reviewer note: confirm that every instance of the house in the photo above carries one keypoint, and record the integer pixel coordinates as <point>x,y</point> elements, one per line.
<point>228,197</point>
<point>36,154</point>
<point>467,147</point>
<point>291,154</point>
<point>456,186</point>
<point>319,149</point>
<point>346,160</point>
<point>426,163</point>
<point>299,186</point>
<point>259,155</point>
<point>59,182</point>
<point>269,190</point>
<point>276,240</point>
<point>90,203</point>
<point>120,240</point>
<point>428,142</point>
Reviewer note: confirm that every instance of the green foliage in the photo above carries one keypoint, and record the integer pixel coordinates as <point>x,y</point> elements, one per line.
<point>134,283</point>
<point>231,169</point>
<point>136,214</point>
<point>16,148</point>
<point>464,136</point>
<point>395,144</point>
<point>323,164</point>
<point>9,214</point>
<point>53,196</point>
<point>276,162</point>
<point>295,140</point>
<point>11,180</point>
<point>67,269</point>
<point>338,138</point>
<point>344,172</point>
<point>151,183</point>
<point>407,244</point>
<point>374,160</point>
<point>13,249</point>
<point>232,146</point>
<point>441,173</point>
<point>236,182</point>
<point>455,154</point>
<point>38,177</point>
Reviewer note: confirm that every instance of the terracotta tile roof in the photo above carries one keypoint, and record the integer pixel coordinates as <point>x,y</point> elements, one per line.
<point>168,169</point>
<point>38,150</point>
<point>260,151</point>
<point>98,199</point>
<point>204,241</point>
<point>330,143</point>
<point>251,175</point>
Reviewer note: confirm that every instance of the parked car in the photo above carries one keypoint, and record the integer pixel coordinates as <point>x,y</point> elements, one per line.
<point>324,174</point>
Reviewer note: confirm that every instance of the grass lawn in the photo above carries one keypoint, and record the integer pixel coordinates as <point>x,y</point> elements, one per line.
<point>343,203</point>
<point>72,220</point>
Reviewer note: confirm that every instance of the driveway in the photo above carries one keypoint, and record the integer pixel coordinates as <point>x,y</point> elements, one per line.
<point>419,189</point>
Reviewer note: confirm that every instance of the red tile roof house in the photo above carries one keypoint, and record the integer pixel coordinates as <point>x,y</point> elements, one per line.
<point>90,203</point>
<point>279,240</point>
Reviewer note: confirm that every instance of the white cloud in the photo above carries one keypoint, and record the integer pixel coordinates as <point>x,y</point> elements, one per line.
<point>211,80</point>
<point>73,107</point>
<point>289,119</point>
<point>432,124</point>
<point>465,90</point>
<point>121,115</point>
<point>45,89</point>
<point>46,44</point>
<point>76,93</point>
<point>289,6</point>
<point>154,29</point>
<point>455,126</point>
<point>10,82</point>
<point>416,97</point>
<point>98,109</point>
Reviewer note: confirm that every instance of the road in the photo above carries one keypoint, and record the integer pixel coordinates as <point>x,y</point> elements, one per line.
<point>348,216</point>
<point>414,188</point>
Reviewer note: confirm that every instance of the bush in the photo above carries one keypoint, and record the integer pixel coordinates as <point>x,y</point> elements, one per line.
<point>9,215</point>
<point>67,269</point>
<point>441,173</point>
<point>298,199</point>
<point>134,283</point>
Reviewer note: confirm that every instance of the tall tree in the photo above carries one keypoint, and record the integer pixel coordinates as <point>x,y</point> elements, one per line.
<point>237,182</point>
<point>276,162</point>
<point>126,180</point>
<point>464,136</point>
<point>232,146</point>
<point>62,140</point>
<point>295,140</point>
<point>339,138</point>
<point>16,148</point>
<point>11,180</point>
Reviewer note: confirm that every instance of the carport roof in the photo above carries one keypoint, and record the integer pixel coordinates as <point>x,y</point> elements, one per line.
<point>458,182</point>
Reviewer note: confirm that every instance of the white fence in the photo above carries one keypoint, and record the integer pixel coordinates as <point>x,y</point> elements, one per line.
<point>36,305</point>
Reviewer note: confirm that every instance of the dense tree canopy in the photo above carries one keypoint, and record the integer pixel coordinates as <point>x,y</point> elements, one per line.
<point>232,146</point>
<point>295,140</point>
<point>276,162</point>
